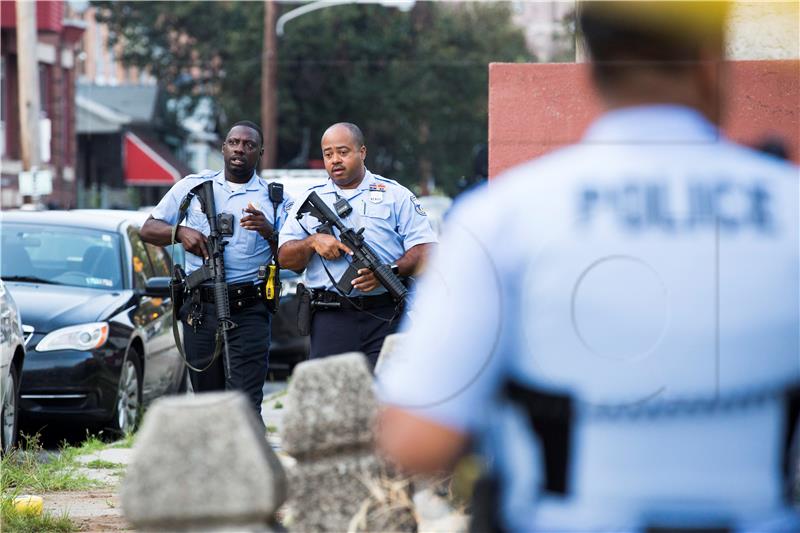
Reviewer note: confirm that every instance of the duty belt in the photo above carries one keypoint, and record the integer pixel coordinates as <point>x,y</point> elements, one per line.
<point>241,296</point>
<point>351,302</point>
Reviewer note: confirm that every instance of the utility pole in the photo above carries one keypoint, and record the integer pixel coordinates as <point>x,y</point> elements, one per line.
<point>28,69</point>
<point>269,86</point>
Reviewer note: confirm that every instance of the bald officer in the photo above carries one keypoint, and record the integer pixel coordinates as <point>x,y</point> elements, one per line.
<point>395,226</point>
<point>632,361</point>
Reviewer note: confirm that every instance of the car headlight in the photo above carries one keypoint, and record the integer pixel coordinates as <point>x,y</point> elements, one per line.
<point>82,337</point>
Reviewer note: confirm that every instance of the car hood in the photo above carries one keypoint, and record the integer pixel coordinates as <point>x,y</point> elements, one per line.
<point>49,307</point>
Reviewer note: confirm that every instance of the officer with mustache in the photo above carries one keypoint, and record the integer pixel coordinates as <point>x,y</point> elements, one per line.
<point>395,226</point>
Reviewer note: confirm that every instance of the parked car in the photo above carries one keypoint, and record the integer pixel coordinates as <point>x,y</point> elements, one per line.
<point>100,345</point>
<point>287,346</point>
<point>12,358</point>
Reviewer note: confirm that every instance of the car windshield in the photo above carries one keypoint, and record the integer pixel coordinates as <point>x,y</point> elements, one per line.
<point>62,256</point>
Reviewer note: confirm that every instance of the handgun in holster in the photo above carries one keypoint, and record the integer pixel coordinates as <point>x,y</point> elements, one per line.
<point>304,296</point>
<point>177,288</point>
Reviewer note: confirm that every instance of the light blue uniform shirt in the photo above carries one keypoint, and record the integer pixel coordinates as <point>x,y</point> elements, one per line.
<point>392,218</point>
<point>246,250</point>
<point>652,262</point>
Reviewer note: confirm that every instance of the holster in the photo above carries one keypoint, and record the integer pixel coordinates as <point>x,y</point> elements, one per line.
<point>304,296</point>
<point>177,288</point>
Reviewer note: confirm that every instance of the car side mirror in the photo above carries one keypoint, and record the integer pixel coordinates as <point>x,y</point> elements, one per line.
<point>157,287</point>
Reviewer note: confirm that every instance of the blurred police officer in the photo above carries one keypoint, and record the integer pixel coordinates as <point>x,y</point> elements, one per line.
<point>631,361</point>
<point>395,226</point>
<point>239,191</point>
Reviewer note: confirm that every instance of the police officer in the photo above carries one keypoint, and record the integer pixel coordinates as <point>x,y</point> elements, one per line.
<point>395,226</point>
<point>239,191</point>
<point>630,361</point>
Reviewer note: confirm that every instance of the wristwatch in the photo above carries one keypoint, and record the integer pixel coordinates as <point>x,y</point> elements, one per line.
<point>395,269</point>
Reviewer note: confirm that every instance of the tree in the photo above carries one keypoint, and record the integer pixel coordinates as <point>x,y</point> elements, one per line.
<point>415,82</point>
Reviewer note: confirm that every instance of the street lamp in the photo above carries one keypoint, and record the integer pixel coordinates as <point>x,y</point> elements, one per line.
<point>402,5</point>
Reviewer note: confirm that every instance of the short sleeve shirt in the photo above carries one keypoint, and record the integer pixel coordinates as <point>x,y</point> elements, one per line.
<point>392,217</point>
<point>655,261</point>
<point>246,249</point>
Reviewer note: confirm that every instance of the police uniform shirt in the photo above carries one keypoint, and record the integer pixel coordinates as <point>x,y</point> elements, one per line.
<point>392,218</point>
<point>652,263</point>
<point>246,249</point>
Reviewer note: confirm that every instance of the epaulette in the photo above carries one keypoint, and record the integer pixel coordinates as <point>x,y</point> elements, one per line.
<point>202,175</point>
<point>387,180</point>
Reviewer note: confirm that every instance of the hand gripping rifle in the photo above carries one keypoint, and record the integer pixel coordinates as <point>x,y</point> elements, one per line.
<point>213,268</point>
<point>363,255</point>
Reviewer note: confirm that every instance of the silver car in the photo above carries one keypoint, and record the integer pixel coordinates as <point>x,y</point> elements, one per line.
<point>12,342</point>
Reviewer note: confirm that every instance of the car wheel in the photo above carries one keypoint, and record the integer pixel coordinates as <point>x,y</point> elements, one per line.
<point>10,410</point>
<point>129,396</point>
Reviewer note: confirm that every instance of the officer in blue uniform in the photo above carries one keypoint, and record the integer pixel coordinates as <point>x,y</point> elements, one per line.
<point>627,356</point>
<point>395,226</point>
<point>238,190</point>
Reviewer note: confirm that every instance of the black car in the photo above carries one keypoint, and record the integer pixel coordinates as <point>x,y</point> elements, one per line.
<point>287,347</point>
<point>98,337</point>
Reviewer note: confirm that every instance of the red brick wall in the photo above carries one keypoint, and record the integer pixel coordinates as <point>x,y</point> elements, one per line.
<point>49,14</point>
<point>536,108</point>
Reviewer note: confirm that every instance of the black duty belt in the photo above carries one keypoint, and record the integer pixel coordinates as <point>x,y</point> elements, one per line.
<point>241,296</point>
<point>352,302</point>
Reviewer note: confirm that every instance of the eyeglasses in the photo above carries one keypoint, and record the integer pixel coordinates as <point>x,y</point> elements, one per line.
<point>233,142</point>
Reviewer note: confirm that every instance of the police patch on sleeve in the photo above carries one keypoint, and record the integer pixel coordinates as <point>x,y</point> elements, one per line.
<point>418,206</point>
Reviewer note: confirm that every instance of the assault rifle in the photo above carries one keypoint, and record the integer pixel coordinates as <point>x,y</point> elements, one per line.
<point>363,255</point>
<point>213,269</point>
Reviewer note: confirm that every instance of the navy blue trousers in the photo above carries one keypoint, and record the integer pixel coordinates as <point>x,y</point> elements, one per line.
<point>248,344</point>
<point>337,331</point>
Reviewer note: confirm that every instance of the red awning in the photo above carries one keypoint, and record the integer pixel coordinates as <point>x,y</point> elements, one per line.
<point>144,165</point>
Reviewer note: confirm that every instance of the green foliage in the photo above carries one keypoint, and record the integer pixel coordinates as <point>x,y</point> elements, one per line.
<point>100,464</point>
<point>14,521</point>
<point>31,468</point>
<point>125,442</point>
<point>415,82</point>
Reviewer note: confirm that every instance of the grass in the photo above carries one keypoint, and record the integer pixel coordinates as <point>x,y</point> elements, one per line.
<point>32,469</point>
<point>22,522</point>
<point>100,464</point>
<point>126,442</point>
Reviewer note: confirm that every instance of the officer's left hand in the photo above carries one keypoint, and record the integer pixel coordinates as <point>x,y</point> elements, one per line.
<point>256,221</point>
<point>366,281</point>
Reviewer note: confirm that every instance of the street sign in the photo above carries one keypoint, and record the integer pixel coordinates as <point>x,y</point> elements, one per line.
<point>36,183</point>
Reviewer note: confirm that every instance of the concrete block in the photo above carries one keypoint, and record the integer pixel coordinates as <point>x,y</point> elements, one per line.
<point>201,463</point>
<point>330,406</point>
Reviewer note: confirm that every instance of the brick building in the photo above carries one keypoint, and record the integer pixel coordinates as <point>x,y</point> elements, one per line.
<point>57,40</point>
